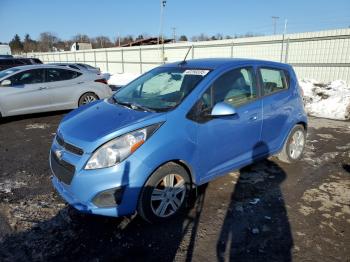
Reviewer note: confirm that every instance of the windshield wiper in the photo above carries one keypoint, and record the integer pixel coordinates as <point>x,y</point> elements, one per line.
<point>133,105</point>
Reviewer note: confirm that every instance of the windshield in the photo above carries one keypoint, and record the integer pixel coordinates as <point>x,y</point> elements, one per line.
<point>8,72</point>
<point>160,89</point>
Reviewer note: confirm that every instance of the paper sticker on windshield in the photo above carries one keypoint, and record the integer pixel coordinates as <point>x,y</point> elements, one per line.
<point>196,72</point>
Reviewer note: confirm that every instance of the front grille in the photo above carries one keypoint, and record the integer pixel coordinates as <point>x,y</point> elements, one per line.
<point>62,169</point>
<point>69,147</point>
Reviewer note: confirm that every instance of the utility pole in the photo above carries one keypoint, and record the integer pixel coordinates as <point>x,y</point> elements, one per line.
<point>283,36</point>
<point>274,20</point>
<point>174,34</point>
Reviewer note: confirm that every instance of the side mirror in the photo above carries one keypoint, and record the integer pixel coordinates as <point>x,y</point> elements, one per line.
<point>6,82</point>
<point>223,109</point>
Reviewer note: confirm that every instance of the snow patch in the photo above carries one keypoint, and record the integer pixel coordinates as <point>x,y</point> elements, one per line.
<point>331,100</point>
<point>37,126</point>
<point>119,79</point>
<point>7,186</point>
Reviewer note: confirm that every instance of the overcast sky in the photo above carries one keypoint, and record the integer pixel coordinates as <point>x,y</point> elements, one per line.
<point>190,17</point>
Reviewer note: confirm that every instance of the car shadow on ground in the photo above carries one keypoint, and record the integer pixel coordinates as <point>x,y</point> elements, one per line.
<point>346,167</point>
<point>10,119</point>
<point>255,227</point>
<point>71,236</point>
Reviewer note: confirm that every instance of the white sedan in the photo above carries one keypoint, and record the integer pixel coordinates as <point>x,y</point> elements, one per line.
<point>42,88</point>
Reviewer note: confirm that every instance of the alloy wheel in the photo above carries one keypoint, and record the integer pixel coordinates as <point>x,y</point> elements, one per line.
<point>169,194</point>
<point>296,145</point>
<point>88,99</point>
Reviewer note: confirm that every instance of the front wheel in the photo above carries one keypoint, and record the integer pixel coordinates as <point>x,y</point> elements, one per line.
<point>87,98</point>
<point>294,146</point>
<point>165,193</point>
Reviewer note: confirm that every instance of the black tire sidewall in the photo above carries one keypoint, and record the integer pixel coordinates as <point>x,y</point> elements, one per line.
<point>296,128</point>
<point>144,205</point>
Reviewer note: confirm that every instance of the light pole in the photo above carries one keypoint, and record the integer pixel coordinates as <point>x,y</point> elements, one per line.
<point>162,5</point>
<point>274,19</point>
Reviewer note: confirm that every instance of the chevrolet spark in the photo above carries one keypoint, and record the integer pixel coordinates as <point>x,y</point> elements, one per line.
<point>175,127</point>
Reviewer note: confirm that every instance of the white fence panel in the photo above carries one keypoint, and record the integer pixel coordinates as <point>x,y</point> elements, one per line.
<point>323,55</point>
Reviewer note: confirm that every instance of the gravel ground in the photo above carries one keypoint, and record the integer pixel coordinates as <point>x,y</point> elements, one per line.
<point>268,211</point>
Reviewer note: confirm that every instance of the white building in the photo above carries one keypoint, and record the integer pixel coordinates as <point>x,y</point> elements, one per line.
<point>5,49</point>
<point>80,46</point>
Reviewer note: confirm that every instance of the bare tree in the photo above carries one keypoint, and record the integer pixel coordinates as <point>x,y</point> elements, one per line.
<point>101,42</point>
<point>183,38</point>
<point>47,40</point>
<point>83,38</point>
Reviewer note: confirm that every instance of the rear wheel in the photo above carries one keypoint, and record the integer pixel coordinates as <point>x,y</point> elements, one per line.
<point>165,193</point>
<point>294,146</point>
<point>87,98</point>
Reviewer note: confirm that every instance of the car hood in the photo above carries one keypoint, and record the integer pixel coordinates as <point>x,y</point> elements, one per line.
<point>101,120</point>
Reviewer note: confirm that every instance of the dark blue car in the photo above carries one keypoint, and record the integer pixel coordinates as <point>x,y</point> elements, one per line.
<point>177,126</point>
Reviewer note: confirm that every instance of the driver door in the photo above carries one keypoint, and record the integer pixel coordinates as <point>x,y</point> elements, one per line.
<point>228,142</point>
<point>27,93</point>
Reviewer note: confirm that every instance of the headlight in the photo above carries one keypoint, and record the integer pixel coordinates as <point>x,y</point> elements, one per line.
<point>116,150</point>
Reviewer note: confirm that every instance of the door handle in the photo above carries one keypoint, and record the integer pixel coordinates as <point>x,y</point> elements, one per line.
<point>80,83</point>
<point>42,88</point>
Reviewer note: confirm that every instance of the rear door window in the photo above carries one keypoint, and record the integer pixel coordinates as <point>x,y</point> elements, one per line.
<point>34,76</point>
<point>55,74</point>
<point>273,80</point>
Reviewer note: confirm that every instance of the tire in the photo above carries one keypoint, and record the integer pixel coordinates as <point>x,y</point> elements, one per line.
<point>158,202</point>
<point>293,148</point>
<point>87,98</point>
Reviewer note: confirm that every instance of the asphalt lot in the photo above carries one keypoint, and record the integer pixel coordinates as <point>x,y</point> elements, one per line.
<point>269,211</point>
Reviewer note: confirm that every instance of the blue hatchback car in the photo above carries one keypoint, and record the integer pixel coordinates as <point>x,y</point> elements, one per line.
<point>175,127</point>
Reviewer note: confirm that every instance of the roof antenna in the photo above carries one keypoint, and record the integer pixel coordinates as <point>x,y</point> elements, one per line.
<point>184,61</point>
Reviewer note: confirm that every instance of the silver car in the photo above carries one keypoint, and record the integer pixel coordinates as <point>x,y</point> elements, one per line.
<point>42,88</point>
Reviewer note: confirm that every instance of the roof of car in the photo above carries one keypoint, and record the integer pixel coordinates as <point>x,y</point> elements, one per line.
<point>214,63</point>
<point>38,66</point>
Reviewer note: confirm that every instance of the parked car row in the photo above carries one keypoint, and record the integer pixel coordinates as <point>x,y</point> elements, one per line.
<point>42,88</point>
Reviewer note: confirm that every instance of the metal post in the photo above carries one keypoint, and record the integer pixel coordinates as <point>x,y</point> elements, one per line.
<point>192,51</point>
<point>140,55</point>
<point>232,49</point>
<point>122,60</point>
<point>106,60</point>
<point>95,58</point>
<point>287,50</point>
<point>284,32</point>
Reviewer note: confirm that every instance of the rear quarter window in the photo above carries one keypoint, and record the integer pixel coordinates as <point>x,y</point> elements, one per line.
<point>273,80</point>
<point>55,74</point>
